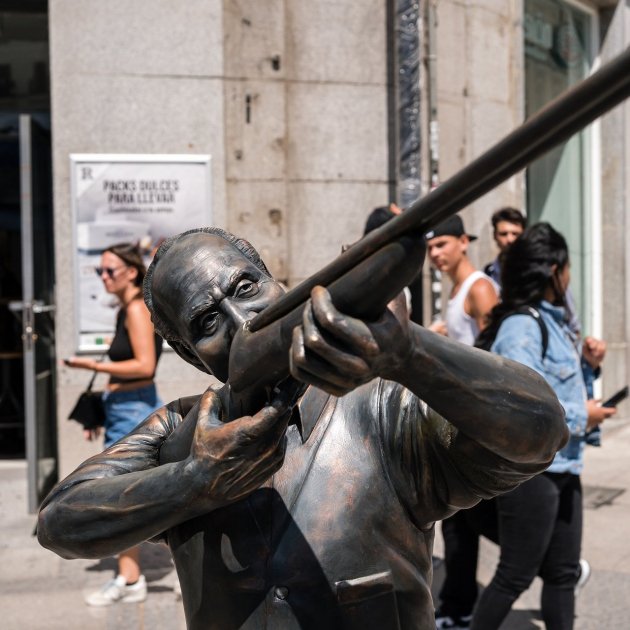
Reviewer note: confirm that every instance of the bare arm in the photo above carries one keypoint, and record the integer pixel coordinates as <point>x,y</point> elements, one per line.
<point>438,326</point>
<point>480,300</point>
<point>141,337</point>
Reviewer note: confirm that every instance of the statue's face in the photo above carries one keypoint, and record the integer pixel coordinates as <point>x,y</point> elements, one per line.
<point>206,289</point>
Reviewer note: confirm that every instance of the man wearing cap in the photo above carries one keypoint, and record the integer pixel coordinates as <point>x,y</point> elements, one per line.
<point>472,297</point>
<point>473,293</point>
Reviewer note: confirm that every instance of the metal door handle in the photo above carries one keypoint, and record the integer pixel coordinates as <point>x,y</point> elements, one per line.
<point>37,306</point>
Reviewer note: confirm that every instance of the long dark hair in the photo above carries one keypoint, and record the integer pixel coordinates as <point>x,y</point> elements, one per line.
<point>130,254</point>
<point>528,268</point>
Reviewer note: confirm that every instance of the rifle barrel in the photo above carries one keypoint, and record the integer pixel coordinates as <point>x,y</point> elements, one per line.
<point>570,112</point>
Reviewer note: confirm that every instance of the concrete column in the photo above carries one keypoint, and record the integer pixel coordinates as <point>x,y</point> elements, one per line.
<point>480,87</point>
<point>615,192</point>
<point>129,77</point>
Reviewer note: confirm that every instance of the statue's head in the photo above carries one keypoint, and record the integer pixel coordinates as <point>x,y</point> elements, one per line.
<point>200,288</point>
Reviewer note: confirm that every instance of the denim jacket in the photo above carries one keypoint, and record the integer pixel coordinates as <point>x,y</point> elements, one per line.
<point>519,338</point>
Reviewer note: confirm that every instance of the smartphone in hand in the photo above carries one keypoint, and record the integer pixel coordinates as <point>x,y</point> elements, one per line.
<point>617,397</point>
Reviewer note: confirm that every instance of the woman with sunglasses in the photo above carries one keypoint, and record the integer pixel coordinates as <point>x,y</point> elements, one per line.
<point>131,394</point>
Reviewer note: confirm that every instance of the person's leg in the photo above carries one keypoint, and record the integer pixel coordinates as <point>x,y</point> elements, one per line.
<point>484,520</point>
<point>459,590</point>
<point>526,519</point>
<point>129,564</point>
<point>560,567</point>
<point>123,412</point>
<point>128,586</point>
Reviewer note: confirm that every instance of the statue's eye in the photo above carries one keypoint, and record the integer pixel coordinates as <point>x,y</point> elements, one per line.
<point>208,323</point>
<point>246,288</point>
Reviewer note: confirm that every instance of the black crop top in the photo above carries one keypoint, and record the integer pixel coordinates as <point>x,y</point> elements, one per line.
<point>121,350</point>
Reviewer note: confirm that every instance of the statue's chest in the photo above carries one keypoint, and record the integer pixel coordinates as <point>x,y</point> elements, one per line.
<point>329,487</point>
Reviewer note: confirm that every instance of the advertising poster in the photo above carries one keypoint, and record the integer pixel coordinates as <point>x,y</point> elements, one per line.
<point>141,199</point>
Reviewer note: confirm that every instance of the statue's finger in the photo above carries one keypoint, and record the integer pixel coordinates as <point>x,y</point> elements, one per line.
<point>210,407</point>
<point>253,478</point>
<point>311,344</point>
<point>286,393</point>
<point>348,330</point>
<point>269,422</point>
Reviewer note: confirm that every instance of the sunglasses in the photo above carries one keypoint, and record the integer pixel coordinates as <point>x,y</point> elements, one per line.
<point>110,271</point>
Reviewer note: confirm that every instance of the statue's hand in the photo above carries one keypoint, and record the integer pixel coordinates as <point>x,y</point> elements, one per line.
<point>338,353</point>
<point>229,460</point>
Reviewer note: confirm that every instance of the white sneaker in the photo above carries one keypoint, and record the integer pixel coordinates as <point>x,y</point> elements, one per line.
<point>585,573</point>
<point>444,622</point>
<point>118,590</point>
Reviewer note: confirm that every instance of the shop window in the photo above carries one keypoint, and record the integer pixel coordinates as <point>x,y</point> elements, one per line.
<point>558,53</point>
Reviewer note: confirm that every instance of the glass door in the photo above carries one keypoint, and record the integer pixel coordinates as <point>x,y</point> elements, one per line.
<point>27,352</point>
<point>558,53</point>
<point>37,309</point>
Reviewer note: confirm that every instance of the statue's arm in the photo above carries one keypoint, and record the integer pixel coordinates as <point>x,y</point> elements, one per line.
<point>120,496</point>
<point>436,468</point>
<point>503,406</point>
<point>490,423</point>
<point>124,496</point>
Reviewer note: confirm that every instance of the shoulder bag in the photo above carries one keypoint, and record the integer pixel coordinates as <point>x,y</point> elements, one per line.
<point>89,409</point>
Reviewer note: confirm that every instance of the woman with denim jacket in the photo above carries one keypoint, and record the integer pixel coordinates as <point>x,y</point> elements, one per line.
<point>540,523</point>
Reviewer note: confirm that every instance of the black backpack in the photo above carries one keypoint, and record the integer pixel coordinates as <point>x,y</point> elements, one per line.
<point>486,343</point>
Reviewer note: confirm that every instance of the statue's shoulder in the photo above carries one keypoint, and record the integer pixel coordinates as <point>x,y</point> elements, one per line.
<point>178,409</point>
<point>390,392</point>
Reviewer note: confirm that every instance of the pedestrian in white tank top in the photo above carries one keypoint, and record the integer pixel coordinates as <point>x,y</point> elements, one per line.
<point>472,297</point>
<point>473,294</point>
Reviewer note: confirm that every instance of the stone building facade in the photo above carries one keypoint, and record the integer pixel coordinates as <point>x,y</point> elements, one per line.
<point>298,104</point>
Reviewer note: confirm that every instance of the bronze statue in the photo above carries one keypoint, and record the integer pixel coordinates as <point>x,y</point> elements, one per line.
<point>320,513</point>
<point>314,515</point>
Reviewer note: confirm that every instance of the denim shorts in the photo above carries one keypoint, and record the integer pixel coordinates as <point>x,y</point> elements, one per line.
<point>124,411</point>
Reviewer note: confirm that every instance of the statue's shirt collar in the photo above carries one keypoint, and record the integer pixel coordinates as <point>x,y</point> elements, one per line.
<point>308,411</point>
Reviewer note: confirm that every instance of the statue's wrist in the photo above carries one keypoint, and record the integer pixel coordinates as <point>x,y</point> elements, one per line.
<point>195,482</point>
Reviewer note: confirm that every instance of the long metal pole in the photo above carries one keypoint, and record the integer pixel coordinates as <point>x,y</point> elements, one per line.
<point>552,125</point>
<point>28,321</point>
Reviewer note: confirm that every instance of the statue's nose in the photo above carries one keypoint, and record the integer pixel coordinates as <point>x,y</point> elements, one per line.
<point>235,313</point>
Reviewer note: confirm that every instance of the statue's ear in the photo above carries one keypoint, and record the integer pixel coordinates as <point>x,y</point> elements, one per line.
<point>190,357</point>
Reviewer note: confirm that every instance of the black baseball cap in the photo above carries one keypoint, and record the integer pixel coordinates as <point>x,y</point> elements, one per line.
<point>453,226</point>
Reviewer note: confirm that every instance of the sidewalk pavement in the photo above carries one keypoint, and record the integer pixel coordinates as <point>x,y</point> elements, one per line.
<point>604,601</point>
<point>40,591</point>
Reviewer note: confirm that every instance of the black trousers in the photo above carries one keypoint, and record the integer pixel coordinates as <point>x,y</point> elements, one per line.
<point>540,533</point>
<point>461,547</point>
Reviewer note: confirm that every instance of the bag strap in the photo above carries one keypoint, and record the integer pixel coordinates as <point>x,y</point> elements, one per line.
<point>89,387</point>
<point>485,343</point>
<point>532,312</point>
